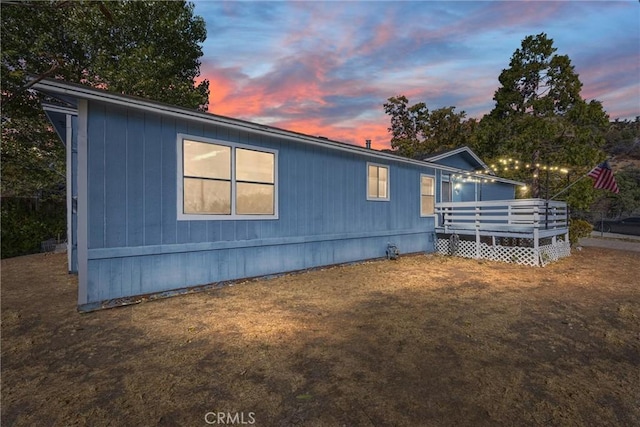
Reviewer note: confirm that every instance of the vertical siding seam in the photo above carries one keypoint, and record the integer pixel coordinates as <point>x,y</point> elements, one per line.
<point>126,181</point>
<point>161,181</point>
<point>176,128</point>
<point>104,178</point>
<point>144,178</point>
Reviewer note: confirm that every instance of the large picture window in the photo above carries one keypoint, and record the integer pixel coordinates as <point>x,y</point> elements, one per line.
<point>427,195</point>
<point>377,182</point>
<point>220,180</point>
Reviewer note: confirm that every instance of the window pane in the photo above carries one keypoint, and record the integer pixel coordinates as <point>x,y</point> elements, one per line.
<point>206,160</point>
<point>427,205</point>
<point>427,185</point>
<point>446,191</point>
<point>255,166</point>
<point>373,181</point>
<point>254,199</point>
<point>382,182</point>
<point>205,196</point>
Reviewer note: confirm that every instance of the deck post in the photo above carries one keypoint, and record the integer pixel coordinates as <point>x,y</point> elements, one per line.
<point>445,218</point>
<point>546,212</point>
<point>536,245</point>
<point>536,234</point>
<point>478,252</point>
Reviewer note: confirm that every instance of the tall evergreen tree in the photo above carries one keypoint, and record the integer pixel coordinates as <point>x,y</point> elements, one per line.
<point>541,118</point>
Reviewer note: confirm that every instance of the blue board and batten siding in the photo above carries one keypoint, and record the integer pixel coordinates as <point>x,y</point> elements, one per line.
<point>497,191</point>
<point>478,190</point>
<point>136,244</point>
<point>123,156</point>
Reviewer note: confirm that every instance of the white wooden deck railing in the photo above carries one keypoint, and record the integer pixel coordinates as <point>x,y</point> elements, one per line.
<point>518,215</point>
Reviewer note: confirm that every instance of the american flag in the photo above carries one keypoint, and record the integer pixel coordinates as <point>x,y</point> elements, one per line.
<point>603,177</point>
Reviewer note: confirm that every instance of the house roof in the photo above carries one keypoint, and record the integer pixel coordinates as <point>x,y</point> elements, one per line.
<point>466,151</point>
<point>69,93</point>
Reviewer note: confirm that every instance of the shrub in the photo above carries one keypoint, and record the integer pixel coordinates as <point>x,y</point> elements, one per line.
<point>24,228</point>
<point>579,228</point>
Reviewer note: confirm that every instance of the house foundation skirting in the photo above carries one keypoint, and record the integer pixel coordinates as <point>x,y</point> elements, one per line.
<point>517,251</point>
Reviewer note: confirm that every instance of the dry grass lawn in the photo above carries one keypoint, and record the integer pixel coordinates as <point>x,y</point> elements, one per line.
<point>422,341</point>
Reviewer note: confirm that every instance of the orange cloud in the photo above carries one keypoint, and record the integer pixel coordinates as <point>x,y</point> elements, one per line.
<point>356,134</point>
<point>233,94</point>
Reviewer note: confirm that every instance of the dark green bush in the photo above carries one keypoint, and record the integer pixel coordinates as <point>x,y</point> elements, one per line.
<point>25,226</point>
<point>579,228</point>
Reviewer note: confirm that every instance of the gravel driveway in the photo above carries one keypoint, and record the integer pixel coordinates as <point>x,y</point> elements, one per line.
<point>612,241</point>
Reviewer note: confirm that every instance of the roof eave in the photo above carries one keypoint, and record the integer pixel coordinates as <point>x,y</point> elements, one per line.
<point>84,92</point>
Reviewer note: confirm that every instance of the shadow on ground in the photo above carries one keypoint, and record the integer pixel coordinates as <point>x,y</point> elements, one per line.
<point>427,340</point>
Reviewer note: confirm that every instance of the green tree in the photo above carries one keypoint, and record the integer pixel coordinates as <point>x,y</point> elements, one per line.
<point>623,138</point>
<point>625,202</point>
<point>407,125</point>
<point>540,117</point>
<point>417,132</point>
<point>144,48</point>
<point>447,129</point>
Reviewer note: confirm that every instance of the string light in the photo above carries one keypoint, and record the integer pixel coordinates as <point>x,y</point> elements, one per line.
<point>510,164</point>
<point>505,164</point>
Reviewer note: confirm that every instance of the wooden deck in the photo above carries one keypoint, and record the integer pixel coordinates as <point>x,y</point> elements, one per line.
<point>536,230</point>
<point>508,218</point>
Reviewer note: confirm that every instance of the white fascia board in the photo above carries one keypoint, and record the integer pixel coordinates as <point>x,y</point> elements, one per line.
<point>457,151</point>
<point>446,154</point>
<point>59,109</point>
<point>85,92</point>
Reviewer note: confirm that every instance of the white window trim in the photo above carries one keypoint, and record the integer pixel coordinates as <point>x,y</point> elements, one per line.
<point>433,177</point>
<point>216,217</point>
<point>379,199</point>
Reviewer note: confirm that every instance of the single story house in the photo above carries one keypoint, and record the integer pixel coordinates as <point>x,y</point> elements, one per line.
<point>162,199</point>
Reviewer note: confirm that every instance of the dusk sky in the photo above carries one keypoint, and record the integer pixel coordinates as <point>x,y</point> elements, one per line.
<point>326,68</point>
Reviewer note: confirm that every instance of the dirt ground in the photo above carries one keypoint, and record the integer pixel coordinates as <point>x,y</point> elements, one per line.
<point>423,341</point>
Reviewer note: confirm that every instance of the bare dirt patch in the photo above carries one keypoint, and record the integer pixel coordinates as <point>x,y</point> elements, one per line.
<point>425,340</point>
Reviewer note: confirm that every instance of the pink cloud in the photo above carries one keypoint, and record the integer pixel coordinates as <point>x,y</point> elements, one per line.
<point>384,33</point>
<point>332,83</point>
<point>283,96</point>
<point>356,134</point>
